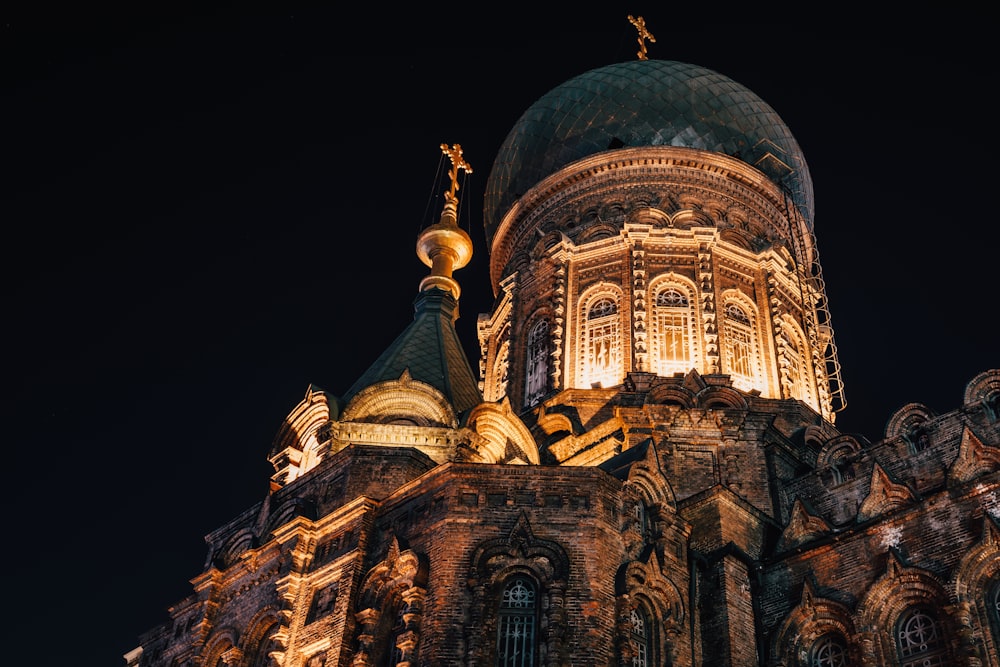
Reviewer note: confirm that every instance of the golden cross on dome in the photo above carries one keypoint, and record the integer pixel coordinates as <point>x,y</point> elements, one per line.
<point>644,34</point>
<point>457,162</point>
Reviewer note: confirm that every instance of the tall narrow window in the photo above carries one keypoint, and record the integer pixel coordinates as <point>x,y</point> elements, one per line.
<point>639,637</point>
<point>602,338</point>
<point>919,641</point>
<point>993,609</point>
<point>393,654</point>
<point>739,346</point>
<point>268,645</point>
<point>536,375</point>
<point>516,624</point>
<point>672,332</point>
<point>828,651</point>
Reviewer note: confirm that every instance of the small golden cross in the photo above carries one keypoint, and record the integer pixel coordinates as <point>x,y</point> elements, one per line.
<point>457,162</point>
<point>644,34</point>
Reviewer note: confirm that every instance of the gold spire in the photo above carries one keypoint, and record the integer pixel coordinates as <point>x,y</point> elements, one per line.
<point>644,34</point>
<point>445,247</point>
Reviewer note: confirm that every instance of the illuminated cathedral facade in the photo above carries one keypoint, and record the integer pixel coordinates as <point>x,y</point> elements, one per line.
<point>642,468</point>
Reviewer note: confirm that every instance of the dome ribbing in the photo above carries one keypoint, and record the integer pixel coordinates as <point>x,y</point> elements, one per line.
<point>644,103</point>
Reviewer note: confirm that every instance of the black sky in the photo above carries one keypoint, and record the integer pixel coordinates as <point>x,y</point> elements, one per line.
<point>206,210</point>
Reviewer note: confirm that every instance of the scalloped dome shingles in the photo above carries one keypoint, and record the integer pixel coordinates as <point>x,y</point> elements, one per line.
<point>643,103</point>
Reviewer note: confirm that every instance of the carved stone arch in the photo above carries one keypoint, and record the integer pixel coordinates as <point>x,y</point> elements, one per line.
<point>905,419</point>
<point>884,495</point>
<point>671,279</point>
<point>598,290</point>
<point>222,644</point>
<point>397,584</point>
<point>648,215</point>
<point>600,231</point>
<point>292,508</point>
<point>297,447</point>
<point>725,397</point>
<point>654,506</point>
<point>736,237</point>
<point>641,581</point>
<point>686,218</point>
<point>235,546</point>
<point>814,437</point>
<point>974,459</point>
<point>551,240</point>
<point>264,640</point>
<point>499,427</point>
<point>670,393</point>
<point>974,577</point>
<point>837,448</point>
<point>493,562</point>
<point>985,387</point>
<point>838,458</point>
<point>405,398</point>
<point>613,212</point>
<point>900,587</point>
<point>811,619</point>
<point>647,480</point>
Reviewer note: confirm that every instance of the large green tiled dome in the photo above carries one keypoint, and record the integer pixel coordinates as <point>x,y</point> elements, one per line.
<point>644,103</point>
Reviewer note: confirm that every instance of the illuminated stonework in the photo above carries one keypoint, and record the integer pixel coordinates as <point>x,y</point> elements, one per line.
<point>644,471</point>
<point>666,260</point>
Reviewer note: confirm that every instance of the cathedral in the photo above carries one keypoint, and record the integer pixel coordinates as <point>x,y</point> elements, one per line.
<point>642,467</point>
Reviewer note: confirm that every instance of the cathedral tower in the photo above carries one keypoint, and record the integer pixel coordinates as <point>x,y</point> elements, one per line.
<point>646,470</point>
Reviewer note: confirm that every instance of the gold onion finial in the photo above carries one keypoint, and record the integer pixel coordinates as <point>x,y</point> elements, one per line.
<point>445,247</point>
<point>644,34</point>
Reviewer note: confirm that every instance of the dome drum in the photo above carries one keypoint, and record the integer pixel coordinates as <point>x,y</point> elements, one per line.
<point>691,187</point>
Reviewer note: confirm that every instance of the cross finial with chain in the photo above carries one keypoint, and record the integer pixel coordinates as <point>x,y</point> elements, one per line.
<point>644,34</point>
<point>457,162</point>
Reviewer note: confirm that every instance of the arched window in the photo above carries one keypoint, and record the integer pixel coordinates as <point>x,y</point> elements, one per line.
<point>536,372</point>
<point>516,623</point>
<point>830,650</point>
<point>602,342</point>
<point>392,653</point>
<point>919,640</point>
<point>268,645</point>
<point>640,637</point>
<point>673,333</point>
<point>993,609</point>
<point>739,346</point>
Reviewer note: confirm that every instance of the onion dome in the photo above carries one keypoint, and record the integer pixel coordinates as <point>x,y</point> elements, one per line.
<point>644,103</point>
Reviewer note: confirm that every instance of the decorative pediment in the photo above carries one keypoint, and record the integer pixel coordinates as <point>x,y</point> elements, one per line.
<point>884,495</point>
<point>404,400</point>
<point>647,475</point>
<point>504,437</point>
<point>974,459</point>
<point>647,578</point>
<point>298,445</point>
<point>519,549</point>
<point>802,527</point>
<point>980,564</point>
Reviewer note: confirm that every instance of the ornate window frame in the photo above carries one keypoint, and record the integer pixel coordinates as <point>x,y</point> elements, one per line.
<point>674,317</point>
<point>601,340</point>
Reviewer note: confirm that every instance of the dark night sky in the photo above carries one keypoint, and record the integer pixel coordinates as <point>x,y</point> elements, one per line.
<point>206,210</point>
